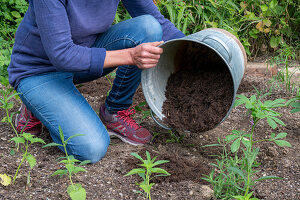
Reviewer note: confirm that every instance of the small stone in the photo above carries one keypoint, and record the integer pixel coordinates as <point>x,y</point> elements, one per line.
<point>191,192</point>
<point>207,192</point>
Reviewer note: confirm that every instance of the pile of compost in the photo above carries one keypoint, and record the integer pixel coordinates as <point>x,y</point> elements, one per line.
<point>199,94</point>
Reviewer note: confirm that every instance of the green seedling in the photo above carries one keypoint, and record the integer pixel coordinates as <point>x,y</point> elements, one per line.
<point>235,174</point>
<point>27,140</point>
<point>6,97</point>
<point>294,102</point>
<point>147,172</point>
<point>174,138</point>
<point>111,75</point>
<point>75,191</point>
<point>141,107</point>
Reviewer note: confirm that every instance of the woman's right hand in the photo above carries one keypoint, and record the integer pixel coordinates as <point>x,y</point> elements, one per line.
<point>146,55</point>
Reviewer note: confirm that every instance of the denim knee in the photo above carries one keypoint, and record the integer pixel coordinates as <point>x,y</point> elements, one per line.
<point>150,28</point>
<point>94,151</point>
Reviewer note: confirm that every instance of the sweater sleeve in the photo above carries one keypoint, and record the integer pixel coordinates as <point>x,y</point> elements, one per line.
<point>142,7</point>
<point>54,29</point>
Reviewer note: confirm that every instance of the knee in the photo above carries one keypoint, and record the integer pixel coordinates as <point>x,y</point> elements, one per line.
<point>93,151</point>
<point>150,28</point>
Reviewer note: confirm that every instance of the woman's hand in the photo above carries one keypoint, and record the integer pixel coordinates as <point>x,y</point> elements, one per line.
<point>146,55</point>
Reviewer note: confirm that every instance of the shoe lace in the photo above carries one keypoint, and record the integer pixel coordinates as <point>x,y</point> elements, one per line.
<point>31,121</point>
<point>126,116</point>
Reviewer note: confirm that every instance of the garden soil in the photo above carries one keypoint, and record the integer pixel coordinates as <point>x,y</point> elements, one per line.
<point>200,92</point>
<point>189,160</point>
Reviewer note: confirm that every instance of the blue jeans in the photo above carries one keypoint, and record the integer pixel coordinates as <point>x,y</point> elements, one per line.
<point>53,98</point>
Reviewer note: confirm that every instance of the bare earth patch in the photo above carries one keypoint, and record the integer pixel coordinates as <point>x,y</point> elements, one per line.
<point>188,160</point>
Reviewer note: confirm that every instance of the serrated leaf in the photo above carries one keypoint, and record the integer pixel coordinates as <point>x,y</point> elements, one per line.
<point>37,140</point>
<point>283,143</point>
<point>76,192</point>
<point>70,168</point>
<point>31,160</point>
<point>137,156</point>
<point>84,162</point>
<point>159,162</point>
<point>78,169</point>
<point>5,179</point>
<point>18,140</point>
<point>60,172</point>
<point>53,144</point>
<point>159,171</point>
<point>135,171</point>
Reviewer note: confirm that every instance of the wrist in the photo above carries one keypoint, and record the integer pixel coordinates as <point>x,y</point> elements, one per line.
<point>130,56</point>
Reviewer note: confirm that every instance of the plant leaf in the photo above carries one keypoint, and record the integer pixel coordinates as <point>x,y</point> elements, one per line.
<point>235,145</point>
<point>283,143</point>
<point>281,135</point>
<point>60,172</point>
<point>5,179</point>
<point>79,169</point>
<point>18,140</point>
<point>39,140</point>
<point>137,156</point>
<point>76,192</point>
<point>272,123</point>
<point>238,171</point>
<point>136,171</point>
<point>159,171</point>
<point>159,162</point>
<point>31,160</point>
<point>53,144</point>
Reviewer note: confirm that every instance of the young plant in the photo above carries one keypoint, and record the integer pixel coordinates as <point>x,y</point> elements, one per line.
<point>235,175</point>
<point>108,76</point>
<point>294,102</point>
<point>144,111</point>
<point>6,97</point>
<point>282,60</point>
<point>27,140</point>
<point>174,138</point>
<point>75,191</point>
<point>146,172</point>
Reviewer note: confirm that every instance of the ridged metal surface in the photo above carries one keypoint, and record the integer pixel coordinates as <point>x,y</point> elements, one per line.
<point>226,45</point>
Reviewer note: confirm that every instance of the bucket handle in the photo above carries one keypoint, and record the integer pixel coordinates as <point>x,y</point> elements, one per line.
<point>156,120</point>
<point>220,42</point>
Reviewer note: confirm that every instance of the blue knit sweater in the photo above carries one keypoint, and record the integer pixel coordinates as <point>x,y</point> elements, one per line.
<point>56,35</point>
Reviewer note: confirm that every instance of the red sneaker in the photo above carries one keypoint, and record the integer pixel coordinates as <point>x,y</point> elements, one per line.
<point>124,127</point>
<point>27,122</point>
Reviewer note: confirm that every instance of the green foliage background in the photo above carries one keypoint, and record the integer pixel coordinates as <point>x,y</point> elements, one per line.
<point>11,14</point>
<point>262,26</point>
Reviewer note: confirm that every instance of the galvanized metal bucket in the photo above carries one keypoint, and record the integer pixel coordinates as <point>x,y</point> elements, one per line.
<point>226,45</point>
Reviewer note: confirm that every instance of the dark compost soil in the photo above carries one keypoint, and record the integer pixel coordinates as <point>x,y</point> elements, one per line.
<point>200,93</point>
<point>188,159</point>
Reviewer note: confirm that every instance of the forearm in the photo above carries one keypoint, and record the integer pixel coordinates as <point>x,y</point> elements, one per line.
<point>117,58</point>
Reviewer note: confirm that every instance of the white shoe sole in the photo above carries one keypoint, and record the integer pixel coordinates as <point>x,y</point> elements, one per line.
<point>123,138</point>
